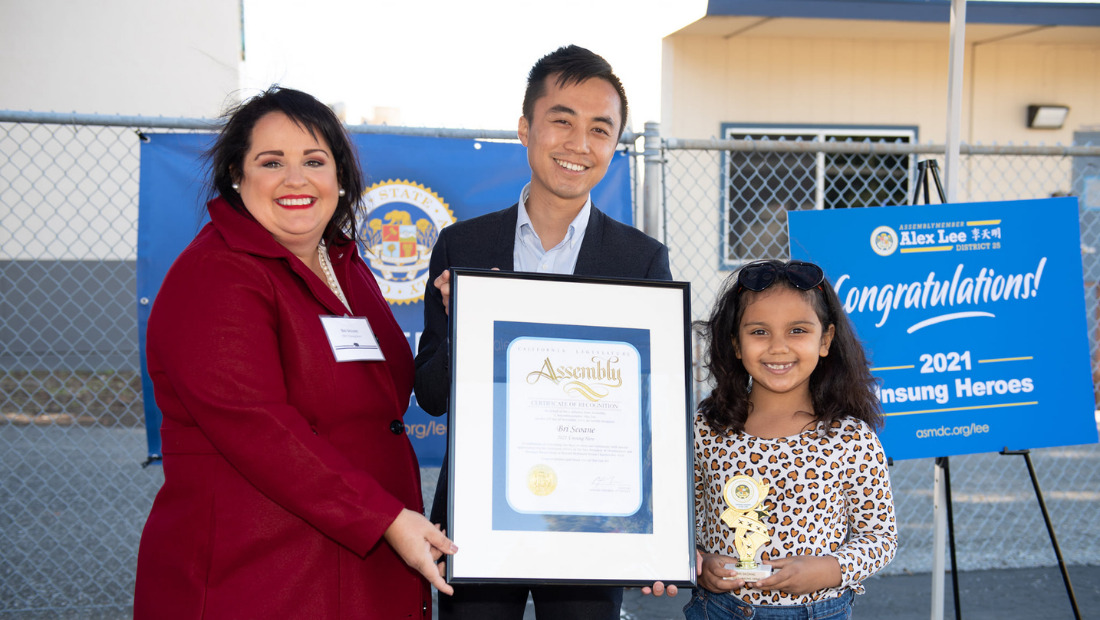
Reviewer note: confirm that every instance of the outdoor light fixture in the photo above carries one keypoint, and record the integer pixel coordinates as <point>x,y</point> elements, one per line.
<point>1046,116</point>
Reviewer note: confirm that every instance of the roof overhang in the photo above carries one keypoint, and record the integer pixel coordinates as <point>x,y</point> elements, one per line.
<point>935,11</point>
<point>1022,22</point>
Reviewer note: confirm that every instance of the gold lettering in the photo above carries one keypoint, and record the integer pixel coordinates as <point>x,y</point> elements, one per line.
<point>592,382</point>
<point>547,371</point>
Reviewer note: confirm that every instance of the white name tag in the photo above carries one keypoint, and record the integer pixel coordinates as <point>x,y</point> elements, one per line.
<point>351,339</point>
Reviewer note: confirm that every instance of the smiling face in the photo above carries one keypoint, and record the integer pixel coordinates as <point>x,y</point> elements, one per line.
<point>570,139</point>
<point>780,340</point>
<point>289,183</point>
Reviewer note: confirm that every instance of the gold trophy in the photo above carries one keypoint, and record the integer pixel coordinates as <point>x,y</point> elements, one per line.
<point>745,496</point>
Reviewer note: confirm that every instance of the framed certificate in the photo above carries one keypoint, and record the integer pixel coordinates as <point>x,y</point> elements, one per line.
<point>570,454</point>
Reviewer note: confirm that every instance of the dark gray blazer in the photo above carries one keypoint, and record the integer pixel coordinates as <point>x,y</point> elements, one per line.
<point>609,249</point>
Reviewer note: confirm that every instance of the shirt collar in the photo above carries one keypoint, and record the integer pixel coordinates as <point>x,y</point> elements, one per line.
<point>576,227</point>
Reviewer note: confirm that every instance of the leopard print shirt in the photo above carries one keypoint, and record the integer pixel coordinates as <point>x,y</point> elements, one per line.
<point>829,495</point>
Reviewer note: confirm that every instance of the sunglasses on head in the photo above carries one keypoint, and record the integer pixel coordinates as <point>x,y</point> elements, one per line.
<point>759,276</point>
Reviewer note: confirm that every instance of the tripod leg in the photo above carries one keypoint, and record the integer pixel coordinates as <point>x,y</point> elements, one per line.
<point>944,462</point>
<point>936,178</point>
<point>923,181</point>
<point>1050,529</point>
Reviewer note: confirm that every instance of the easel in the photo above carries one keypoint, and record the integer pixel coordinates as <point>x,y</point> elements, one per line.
<point>925,169</point>
<point>921,183</point>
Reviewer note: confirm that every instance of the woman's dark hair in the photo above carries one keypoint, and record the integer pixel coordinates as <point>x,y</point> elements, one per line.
<point>572,65</point>
<point>227,155</point>
<point>841,384</point>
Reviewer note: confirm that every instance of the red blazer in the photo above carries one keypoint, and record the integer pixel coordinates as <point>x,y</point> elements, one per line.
<point>282,467</point>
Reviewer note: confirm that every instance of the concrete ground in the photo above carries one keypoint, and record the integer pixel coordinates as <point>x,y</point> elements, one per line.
<point>1001,594</point>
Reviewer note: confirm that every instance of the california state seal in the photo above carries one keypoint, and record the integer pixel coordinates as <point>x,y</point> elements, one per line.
<point>399,222</point>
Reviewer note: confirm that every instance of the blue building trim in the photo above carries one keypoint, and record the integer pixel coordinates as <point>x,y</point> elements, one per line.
<point>1025,13</point>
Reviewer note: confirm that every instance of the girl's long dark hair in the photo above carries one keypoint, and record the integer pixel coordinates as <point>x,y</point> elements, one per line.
<point>840,386</point>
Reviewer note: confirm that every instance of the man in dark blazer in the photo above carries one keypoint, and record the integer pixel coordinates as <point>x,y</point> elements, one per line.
<point>573,115</point>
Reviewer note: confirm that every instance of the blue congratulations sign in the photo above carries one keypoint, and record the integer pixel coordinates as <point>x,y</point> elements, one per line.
<point>973,317</point>
<point>415,187</point>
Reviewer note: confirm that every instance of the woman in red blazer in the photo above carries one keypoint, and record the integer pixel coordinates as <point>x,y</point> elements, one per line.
<point>290,489</point>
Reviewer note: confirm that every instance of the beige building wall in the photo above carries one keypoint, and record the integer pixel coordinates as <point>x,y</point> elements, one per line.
<point>1007,77</point>
<point>876,74</point>
<point>709,80</point>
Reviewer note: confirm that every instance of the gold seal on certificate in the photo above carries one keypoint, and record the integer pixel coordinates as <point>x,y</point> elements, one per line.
<point>745,496</point>
<point>541,480</point>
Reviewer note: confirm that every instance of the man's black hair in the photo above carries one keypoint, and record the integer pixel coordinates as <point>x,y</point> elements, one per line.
<point>572,65</point>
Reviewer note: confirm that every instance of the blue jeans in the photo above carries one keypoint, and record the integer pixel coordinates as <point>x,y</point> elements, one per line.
<point>707,605</point>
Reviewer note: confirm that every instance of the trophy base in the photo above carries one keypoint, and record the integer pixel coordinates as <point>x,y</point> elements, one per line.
<point>756,573</point>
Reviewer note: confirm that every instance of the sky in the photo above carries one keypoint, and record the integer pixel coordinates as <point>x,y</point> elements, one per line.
<point>451,63</point>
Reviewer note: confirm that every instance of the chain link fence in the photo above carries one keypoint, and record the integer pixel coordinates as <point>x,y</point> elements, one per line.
<point>726,203</point>
<point>73,494</point>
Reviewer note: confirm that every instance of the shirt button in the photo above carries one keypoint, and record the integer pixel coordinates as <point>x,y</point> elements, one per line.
<point>397,427</point>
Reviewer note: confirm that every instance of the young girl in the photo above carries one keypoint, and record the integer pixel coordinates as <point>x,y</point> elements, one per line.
<point>793,408</point>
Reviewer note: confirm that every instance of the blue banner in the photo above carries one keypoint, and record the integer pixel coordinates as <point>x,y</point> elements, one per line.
<point>973,316</point>
<point>416,186</point>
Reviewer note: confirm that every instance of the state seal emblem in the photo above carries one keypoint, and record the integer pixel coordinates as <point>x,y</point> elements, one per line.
<point>399,222</point>
<point>884,240</point>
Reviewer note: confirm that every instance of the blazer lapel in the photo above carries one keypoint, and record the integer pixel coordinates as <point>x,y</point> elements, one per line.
<point>589,259</point>
<point>503,252</point>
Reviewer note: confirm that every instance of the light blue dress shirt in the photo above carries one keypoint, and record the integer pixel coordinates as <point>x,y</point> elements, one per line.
<point>562,258</point>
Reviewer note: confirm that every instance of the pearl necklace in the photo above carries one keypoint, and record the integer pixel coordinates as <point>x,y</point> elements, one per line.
<point>330,277</point>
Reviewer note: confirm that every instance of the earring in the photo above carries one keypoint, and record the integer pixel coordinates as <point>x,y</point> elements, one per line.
<point>236,187</point>
<point>342,192</point>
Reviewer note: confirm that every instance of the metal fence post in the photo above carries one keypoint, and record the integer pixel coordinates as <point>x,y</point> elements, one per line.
<point>651,184</point>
